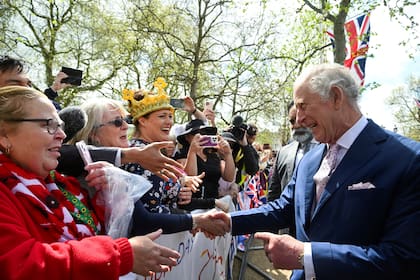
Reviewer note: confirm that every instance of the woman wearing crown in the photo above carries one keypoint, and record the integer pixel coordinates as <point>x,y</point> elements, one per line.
<point>152,117</point>
<point>107,127</point>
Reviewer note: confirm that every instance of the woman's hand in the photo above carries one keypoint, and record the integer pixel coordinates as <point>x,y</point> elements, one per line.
<point>184,196</point>
<point>96,174</point>
<point>210,116</point>
<point>150,257</point>
<point>192,182</point>
<point>195,145</point>
<point>224,147</point>
<point>221,205</point>
<point>151,158</point>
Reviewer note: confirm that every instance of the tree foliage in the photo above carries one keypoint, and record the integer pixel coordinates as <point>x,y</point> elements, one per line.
<point>406,111</point>
<point>242,55</point>
<point>336,12</point>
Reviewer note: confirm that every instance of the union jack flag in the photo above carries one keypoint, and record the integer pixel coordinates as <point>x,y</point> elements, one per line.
<point>417,100</point>
<point>358,32</point>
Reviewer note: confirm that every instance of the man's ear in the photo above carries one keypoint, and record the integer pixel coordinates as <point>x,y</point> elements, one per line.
<point>337,95</point>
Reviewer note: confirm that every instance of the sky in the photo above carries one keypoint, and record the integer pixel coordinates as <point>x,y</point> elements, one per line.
<point>390,66</point>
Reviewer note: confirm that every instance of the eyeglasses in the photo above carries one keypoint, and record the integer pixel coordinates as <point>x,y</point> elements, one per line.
<point>118,122</point>
<point>52,125</point>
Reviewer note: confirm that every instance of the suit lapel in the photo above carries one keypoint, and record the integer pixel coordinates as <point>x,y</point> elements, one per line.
<point>293,152</point>
<point>311,164</point>
<point>361,151</point>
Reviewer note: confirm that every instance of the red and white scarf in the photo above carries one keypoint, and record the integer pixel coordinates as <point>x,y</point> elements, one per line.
<point>46,203</point>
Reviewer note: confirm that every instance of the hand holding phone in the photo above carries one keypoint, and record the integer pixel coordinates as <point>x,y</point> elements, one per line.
<point>208,141</point>
<point>74,76</point>
<point>178,103</point>
<point>208,105</point>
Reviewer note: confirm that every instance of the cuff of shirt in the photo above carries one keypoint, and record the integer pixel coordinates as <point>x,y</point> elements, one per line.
<point>118,158</point>
<point>307,261</point>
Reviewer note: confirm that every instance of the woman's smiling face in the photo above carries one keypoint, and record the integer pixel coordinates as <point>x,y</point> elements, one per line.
<point>111,133</point>
<point>32,146</point>
<point>156,126</point>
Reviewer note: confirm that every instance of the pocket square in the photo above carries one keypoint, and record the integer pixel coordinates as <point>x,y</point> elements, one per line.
<point>361,186</point>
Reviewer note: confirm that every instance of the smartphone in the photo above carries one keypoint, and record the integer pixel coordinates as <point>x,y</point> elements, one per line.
<point>208,141</point>
<point>177,102</point>
<point>74,76</point>
<point>84,152</point>
<point>208,105</point>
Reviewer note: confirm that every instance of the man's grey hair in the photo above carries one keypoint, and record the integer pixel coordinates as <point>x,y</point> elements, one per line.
<point>321,78</point>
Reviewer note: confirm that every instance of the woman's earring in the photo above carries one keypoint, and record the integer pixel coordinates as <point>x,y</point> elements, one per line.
<point>7,151</point>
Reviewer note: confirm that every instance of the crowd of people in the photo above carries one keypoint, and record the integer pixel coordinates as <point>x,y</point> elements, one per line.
<point>350,214</point>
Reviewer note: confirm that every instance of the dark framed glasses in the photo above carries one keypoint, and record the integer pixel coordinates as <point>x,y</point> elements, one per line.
<point>118,122</point>
<point>52,125</point>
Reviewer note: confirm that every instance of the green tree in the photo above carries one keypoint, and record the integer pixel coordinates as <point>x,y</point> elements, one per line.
<point>336,12</point>
<point>78,34</point>
<point>405,109</point>
<point>210,65</point>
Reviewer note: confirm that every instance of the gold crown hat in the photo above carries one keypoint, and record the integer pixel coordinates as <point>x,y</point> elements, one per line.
<point>150,102</point>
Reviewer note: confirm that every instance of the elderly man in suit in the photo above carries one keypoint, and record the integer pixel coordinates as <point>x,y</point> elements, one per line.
<point>290,155</point>
<point>356,198</point>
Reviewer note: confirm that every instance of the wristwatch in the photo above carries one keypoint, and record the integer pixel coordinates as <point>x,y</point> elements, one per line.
<point>300,259</point>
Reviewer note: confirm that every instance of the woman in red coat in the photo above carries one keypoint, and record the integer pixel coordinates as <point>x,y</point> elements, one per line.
<point>49,230</point>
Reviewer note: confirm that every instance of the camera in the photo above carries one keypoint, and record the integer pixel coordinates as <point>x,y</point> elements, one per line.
<point>238,127</point>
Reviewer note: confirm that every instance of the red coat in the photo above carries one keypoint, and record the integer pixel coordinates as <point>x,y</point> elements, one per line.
<point>28,252</point>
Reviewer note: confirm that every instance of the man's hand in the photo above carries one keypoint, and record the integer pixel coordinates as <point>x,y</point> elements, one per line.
<point>151,158</point>
<point>151,257</point>
<point>213,223</point>
<point>282,250</point>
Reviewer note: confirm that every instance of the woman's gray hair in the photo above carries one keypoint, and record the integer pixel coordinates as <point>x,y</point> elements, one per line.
<point>95,110</point>
<point>321,78</point>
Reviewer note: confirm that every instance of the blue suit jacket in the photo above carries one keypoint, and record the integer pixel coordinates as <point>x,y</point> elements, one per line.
<point>355,234</point>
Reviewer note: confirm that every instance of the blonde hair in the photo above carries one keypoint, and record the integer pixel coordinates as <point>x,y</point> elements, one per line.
<point>13,100</point>
<point>95,110</point>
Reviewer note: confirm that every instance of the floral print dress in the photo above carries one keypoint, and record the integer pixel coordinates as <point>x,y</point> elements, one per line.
<point>163,196</point>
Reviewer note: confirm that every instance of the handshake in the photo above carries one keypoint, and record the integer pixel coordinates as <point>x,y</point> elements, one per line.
<point>213,223</point>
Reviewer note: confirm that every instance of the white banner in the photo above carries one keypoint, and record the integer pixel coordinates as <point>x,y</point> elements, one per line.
<point>201,258</point>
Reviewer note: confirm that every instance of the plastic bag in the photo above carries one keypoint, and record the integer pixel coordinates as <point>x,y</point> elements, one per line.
<point>123,190</point>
